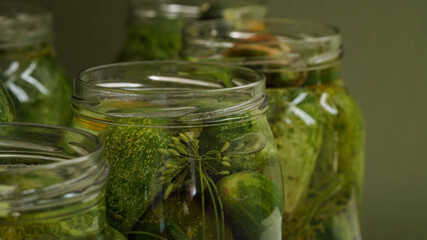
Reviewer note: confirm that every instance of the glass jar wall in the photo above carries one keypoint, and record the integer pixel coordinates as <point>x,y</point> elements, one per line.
<point>317,126</point>
<point>191,152</point>
<point>154,27</point>
<point>37,84</point>
<point>52,184</point>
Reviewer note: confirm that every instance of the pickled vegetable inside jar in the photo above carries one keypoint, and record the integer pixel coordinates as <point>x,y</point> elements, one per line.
<point>317,125</point>
<point>154,27</point>
<point>37,85</point>
<point>52,184</point>
<point>191,152</point>
<point>7,111</point>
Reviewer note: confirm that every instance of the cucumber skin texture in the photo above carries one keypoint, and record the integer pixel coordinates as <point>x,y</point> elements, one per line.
<point>344,139</point>
<point>250,199</point>
<point>341,157</point>
<point>298,141</point>
<point>351,129</point>
<point>134,163</point>
<point>183,209</point>
<point>7,112</point>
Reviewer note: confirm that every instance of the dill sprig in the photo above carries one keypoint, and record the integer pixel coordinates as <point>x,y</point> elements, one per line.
<point>182,155</point>
<point>321,203</point>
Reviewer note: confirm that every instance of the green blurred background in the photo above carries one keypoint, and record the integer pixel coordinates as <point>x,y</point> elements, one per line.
<point>385,67</point>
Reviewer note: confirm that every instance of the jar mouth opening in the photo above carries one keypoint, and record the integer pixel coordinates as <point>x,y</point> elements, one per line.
<point>46,166</point>
<point>190,92</point>
<point>84,154</point>
<point>24,24</point>
<point>198,84</point>
<point>290,43</point>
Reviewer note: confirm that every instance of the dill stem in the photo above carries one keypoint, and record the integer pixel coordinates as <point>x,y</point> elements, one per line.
<point>203,199</point>
<point>220,206</point>
<point>323,197</point>
<point>214,206</point>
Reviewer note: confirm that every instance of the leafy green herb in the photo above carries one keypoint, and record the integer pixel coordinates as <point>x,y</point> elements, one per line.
<point>318,206</point>
<point>251,145</point>
<point>182,156</point>
<point>184,162</point>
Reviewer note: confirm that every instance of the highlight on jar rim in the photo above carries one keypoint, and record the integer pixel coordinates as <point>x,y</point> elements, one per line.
<point>173,86</point>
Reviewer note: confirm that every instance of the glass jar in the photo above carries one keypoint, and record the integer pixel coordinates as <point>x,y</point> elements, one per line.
<point>7,112</point>
<point>37,84</point>
<point>154,28</point>
<point>317,125</point>
<point>191,152</point>
<point>52,184</point>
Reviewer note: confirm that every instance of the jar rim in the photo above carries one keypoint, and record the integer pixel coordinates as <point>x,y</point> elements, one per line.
<point>171,89</point>
<point>49,167</point>
<point>334,31</point>
<point>259,75</point>
<point>77,160</point>
<point>310,43</point>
